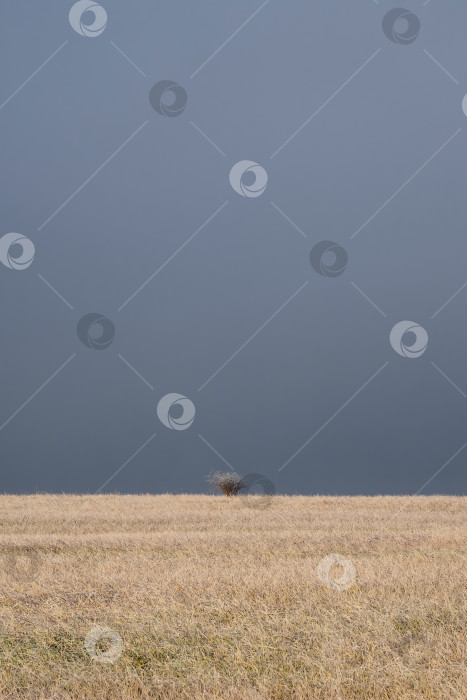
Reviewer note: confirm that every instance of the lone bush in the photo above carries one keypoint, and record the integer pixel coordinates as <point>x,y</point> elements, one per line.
<point>229,483</point>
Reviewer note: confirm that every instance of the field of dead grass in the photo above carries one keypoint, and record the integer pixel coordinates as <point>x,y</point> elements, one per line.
<point>210,597</point>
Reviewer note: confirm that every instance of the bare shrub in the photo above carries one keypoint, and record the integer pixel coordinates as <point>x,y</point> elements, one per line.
<point>229,483</point>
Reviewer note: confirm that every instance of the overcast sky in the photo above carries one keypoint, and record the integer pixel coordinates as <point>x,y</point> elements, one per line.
<point>355,134</point>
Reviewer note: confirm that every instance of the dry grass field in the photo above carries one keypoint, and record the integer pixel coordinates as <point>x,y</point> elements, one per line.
<point>210,597</point>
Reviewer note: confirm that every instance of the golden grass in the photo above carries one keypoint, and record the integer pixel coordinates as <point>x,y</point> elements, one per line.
<point>220,598</point>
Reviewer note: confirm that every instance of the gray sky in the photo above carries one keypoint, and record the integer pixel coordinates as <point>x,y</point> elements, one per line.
<point>291,373</point>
